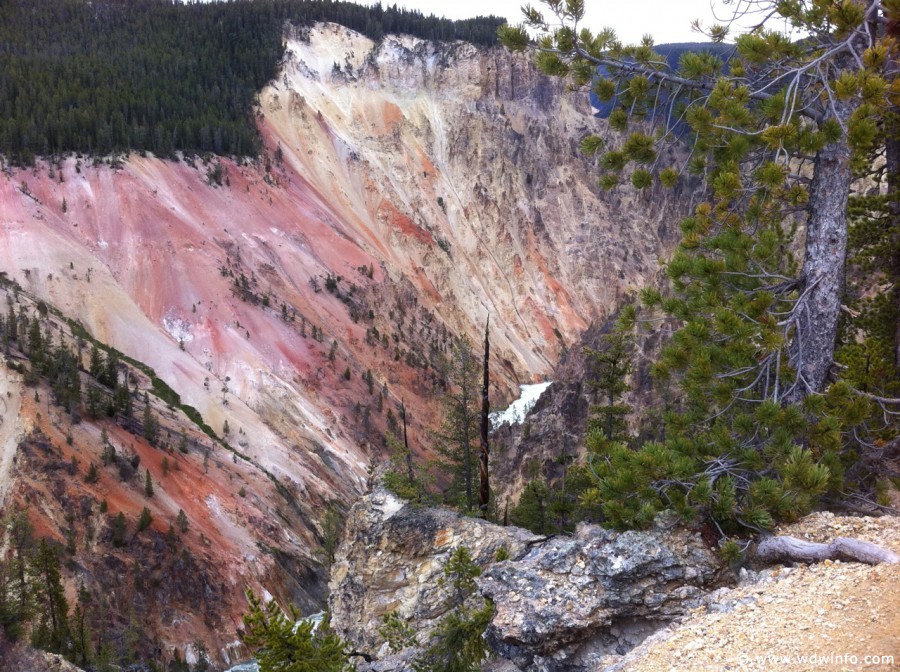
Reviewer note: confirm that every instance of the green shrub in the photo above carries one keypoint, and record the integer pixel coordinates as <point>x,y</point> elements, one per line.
<point>284,643</point>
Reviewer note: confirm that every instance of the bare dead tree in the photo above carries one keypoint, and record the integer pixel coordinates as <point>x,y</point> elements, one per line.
<point>410,475</point>
<point>484,493</point>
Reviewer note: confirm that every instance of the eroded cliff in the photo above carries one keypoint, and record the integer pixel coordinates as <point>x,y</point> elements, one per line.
<point>409,191</point>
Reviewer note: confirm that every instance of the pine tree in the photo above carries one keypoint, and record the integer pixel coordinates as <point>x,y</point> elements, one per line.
<point>403,478</point>
<point>93,403</point>
<point>761,430</point>
<point>182,522</point>
<point>457,438</point>
<point>118,530</point>
<point>332,525</point>
<point>148,483</point>
<point>484,491</point>
<point>17,603</point>
<point>407,450</point>
<point>96,365</point>
<point>51,631</point>
<point>398,633</point>
<point>80,627</point>
<point>869,337</point>
<point>457,644</point>
<point>35,343</point>
<point>532,511</point>
<point>151,424</point>
<point>285,642</point>
<point>110,375</point>
<point>11,619</point>
<point>145,520</point>
<point>608,369</point>
<point>92,475</point>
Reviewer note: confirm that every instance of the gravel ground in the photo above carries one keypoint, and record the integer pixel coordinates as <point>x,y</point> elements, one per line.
<point>827,616</point>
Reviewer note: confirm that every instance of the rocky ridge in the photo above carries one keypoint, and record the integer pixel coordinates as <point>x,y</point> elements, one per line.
<point>391,559</point>
<point>561,604</point>
<point>573,600</point>
<point>621,602</point>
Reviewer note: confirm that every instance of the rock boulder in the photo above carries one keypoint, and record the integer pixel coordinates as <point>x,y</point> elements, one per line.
<point>571,601</point>
<point>391,558</point>
<point>562,604</point>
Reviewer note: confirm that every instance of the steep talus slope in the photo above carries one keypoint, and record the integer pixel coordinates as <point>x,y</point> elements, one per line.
<point>409,191</point>
<point>220,521</point>
<point>10,426</point>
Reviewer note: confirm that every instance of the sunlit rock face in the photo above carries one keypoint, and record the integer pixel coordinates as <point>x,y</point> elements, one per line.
<point>412,188</point>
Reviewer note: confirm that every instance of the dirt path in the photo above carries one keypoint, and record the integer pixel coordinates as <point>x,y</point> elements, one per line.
<point>831,616</point>
<point>10,425</point>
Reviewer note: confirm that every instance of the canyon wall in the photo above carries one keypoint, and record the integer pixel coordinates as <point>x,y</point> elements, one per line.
<point>408,192</point>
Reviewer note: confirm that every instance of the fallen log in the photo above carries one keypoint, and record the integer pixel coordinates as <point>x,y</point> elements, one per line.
<point>777,549</point>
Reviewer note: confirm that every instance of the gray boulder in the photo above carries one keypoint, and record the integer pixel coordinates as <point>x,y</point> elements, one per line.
<point>391,558</point>
<point>563,604</point>
<point>572,601</point>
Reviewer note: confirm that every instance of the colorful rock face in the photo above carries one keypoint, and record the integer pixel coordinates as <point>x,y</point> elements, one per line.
<point>409,191</point>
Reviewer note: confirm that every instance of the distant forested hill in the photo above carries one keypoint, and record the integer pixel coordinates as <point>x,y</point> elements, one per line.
<point>114,75</point>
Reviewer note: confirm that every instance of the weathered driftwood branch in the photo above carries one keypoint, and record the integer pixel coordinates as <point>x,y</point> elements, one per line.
<point>773,549</point>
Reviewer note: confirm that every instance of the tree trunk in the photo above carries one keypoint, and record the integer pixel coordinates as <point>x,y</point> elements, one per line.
<point>484,494</point>
<point>812,348</point>
<point>773,549</point>
<point>892,155</point>
<point>410,475</point>
<point>467,459</point>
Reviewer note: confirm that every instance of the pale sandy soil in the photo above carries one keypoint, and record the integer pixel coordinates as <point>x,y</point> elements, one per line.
<point>829,616</point>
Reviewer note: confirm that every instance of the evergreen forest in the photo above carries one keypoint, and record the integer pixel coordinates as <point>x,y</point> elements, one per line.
<point>151,75</point>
